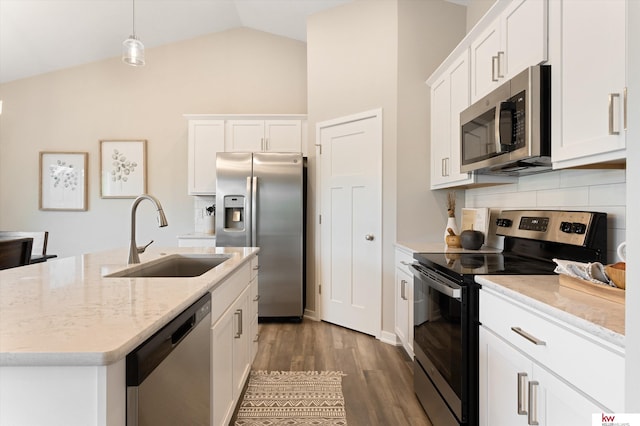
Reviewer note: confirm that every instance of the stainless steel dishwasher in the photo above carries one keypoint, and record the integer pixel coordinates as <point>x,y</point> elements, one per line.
<point>168,376</point>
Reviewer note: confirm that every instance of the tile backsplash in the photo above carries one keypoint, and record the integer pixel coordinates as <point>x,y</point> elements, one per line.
<point>200,204</point>
<point>602,190</point>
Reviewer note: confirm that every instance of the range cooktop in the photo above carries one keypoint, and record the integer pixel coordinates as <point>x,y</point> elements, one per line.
<point>532,239</point>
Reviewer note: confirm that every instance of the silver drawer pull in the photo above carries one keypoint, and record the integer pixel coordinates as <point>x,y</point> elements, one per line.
<point>528,336</point>
<point>532,419</point>
<point>255,299</point>
<point>522,379</point>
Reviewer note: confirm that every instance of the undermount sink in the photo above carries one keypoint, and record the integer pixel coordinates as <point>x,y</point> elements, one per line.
<point>174,265</point>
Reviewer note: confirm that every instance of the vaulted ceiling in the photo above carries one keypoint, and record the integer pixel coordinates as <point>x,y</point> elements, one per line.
<point>38,36</point>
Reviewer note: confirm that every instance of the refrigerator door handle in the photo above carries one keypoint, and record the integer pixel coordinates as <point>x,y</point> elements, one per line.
<point>248,213</point>
<point>254,212</point>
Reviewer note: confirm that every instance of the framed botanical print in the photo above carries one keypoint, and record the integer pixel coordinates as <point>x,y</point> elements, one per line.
<point>123,168</point>
<point>63,181</point>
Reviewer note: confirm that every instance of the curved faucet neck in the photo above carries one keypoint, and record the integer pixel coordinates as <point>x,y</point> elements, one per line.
<point>162,222</point>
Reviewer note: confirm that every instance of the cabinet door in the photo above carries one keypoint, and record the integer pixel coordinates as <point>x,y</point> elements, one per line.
<point>254,297</point>
<point>245,136</point>
<point>560,404</point>
<point>222,386</point>
<point>283,136</point>
<point>589,94</point>
<point>524,36</point>
<point>449,97</point>
<point>517,39</point>
<point>402,307</point>
<point>485,73</point>
<point>240,342</point>
<point>205,140</point>
<point>504,374</point>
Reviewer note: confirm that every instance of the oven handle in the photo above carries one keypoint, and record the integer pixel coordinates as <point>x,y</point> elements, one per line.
<point>448,288</point>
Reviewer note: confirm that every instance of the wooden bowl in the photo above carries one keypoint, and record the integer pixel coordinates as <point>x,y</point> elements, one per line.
<point>616,273</point>
<point>453,241</point>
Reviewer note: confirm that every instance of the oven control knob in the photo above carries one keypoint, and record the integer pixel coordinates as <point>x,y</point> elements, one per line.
<point>566,227</point>
<point>505,223</point>
<point>579,228</point>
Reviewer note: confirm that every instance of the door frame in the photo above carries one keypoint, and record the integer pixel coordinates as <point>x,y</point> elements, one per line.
<point>377,115</point>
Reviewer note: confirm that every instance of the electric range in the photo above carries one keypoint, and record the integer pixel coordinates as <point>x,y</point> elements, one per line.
<point>446,300</point>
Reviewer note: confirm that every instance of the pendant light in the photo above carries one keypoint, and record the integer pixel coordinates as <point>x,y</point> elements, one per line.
<point>132,48</point>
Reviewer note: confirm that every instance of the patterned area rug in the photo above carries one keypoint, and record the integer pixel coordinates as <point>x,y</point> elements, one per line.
<point>300,398</point>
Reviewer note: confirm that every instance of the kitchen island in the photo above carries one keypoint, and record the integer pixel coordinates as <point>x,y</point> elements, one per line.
<point>65,329</point>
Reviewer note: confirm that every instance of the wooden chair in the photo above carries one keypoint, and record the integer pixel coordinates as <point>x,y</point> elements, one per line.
<point>15,252</point>
<point>39,248</point>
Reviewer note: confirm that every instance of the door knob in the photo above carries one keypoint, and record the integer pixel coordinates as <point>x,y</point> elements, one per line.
<point>368,237</point>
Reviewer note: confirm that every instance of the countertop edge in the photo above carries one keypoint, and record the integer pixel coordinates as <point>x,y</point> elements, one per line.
<point>102,359</point>
<point>581,324</point>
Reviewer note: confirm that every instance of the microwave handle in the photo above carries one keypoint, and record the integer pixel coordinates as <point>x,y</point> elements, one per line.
<point>504,128</point>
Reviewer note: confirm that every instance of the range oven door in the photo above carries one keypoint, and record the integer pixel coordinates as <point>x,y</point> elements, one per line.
<point>440,330</point>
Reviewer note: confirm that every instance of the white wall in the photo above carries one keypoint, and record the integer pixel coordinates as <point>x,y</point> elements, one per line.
<point>632,319</point>
<point>352,67</point>
<point>367,55</point>
<point>427,33</point>
<point>237,71</point>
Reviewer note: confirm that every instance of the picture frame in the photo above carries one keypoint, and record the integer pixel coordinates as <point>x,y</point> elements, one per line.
<point>123,168</point>
<point>63,181</point>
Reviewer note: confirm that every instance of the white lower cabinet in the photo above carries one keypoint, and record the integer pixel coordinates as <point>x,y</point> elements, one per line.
<point>231,349</point>
<point>404,300</point>
<point>514,390</point>
<point>254,297</point>
<point>536,371</point>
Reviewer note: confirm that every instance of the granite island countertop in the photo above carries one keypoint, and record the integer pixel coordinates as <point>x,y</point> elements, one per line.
<point>66,312</point>
<point>591,314</point>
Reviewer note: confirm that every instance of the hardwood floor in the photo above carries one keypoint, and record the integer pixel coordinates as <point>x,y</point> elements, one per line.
<point>378,386</point>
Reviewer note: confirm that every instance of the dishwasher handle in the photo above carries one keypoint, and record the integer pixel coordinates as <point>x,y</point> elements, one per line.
<point>147,356</point>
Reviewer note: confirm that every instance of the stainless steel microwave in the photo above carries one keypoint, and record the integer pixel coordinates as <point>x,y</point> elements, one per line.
<point>509,130</point>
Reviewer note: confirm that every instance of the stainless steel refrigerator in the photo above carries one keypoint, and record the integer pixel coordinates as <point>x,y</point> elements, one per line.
<point>260,202</point>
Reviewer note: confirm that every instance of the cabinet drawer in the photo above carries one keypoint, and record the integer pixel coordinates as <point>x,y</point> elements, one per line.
<point>404,258</point>
<point>255,266</point>
<point>223,295</point>
<point>592,366</point>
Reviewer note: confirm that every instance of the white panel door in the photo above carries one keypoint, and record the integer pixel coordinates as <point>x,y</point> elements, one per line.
<point>351,228</point>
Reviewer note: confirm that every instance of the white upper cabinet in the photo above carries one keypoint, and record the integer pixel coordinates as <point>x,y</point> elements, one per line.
<point>588,57</point>
<point>449,96</point>
<point>205,140</point>
<point>213,133</point>
<point>264,136</point>
<point>511,42</point>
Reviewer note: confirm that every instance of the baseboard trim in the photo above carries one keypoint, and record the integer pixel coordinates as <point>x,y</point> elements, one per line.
<point>390,338</point>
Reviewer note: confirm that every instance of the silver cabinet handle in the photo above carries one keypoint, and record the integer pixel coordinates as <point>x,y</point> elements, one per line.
<point>500,56</point>
<point>532,419</point>
<point>238,314</point>
<point>369,237</point>
<point>262,144</point>
<point>255,339</point>
<point>255,268</point>
<point>624,102</point>
<point>522,379</point>
<point>612,96</point>
<point>528,336</point>
<point>442,167</point>
<point>255,299</point>
<point>266,144</point>
<point>494,59</point>
<point>403,289</point>
<point>254,212</point>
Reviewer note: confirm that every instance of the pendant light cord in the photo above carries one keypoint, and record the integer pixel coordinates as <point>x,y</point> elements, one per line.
<point>134,17</point>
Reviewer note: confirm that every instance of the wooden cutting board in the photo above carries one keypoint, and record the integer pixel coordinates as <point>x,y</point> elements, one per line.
<point>605,292</point>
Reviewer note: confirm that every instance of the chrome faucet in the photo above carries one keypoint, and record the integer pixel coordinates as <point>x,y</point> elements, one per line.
<point>134,250</point>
